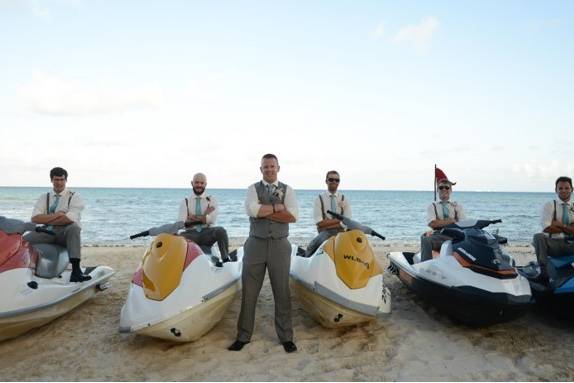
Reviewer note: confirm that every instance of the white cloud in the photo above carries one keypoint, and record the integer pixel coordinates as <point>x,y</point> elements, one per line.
<point>379,31</point>
<point>54,95</point>
<point>419,35</point>
<point>548,170</point>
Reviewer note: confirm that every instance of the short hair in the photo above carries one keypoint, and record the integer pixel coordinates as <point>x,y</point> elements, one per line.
<point>58,172</point>
<point>332,172</point>
<point>563,179</point>
<point>270,156</point>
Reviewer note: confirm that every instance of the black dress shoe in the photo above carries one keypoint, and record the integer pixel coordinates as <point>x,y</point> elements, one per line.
<point>233,256</point>
<point>289,346</point>
<point>237,345</point>
<point>74,277</point>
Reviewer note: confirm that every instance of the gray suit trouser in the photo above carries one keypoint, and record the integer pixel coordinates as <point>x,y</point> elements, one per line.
<point>430,243</point>
<point>275,256</point>
<point>319,239</point>
<point>553,247</point>
<point>208,236</point>
<point>67,236</point>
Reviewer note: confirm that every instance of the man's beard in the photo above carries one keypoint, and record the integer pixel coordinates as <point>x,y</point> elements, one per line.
<point>198,191</point>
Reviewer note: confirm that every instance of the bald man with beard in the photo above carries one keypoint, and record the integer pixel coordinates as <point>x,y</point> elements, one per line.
<point>199,212</point>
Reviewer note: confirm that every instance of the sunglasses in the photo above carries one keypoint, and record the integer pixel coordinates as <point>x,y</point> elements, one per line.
<point>444,188</point>
<point>333,179</point>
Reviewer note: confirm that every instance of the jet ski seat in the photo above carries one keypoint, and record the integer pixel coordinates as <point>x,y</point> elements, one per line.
<point>52,260</point>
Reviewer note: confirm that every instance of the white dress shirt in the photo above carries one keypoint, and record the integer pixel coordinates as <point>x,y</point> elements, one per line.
<point>342,206</point>
<point>452,208</point>
<point>252,204</point>
<point>185,211</point>
<point>548,214</point>
<point>72,207</point>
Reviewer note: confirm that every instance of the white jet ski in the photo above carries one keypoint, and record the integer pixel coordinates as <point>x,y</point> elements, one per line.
<point>341,284</point>
<point>34,281</point>
<point>180,291</point>
<point>472,279</point>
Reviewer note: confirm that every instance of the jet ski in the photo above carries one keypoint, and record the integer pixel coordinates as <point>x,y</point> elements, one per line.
<point>341,284</point>
<point>472,279</point>
<point>34,280</point>
<point>557,292</point>
<point>180,291</point>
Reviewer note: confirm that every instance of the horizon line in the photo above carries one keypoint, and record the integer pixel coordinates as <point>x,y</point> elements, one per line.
<point>242,188</point>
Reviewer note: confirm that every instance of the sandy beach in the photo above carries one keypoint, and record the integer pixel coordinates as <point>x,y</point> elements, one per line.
<point>414,342</point>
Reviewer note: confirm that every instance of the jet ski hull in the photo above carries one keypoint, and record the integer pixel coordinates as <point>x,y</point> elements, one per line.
<point>193,323</point>
<point>467,304</point>
<point>197,302</point>
<point>19,321</point>
<point>327,312</point>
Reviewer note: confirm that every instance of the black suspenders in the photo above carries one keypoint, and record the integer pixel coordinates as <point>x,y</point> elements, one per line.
<point>48,201</point>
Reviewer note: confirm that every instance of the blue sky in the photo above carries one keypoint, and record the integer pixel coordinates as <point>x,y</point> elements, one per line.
<point>146,93</point>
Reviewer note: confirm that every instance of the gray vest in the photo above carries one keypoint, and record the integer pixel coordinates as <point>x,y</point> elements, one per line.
<point>263,227</point>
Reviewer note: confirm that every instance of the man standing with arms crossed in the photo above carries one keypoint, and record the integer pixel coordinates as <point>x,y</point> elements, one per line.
<point>271,205</point>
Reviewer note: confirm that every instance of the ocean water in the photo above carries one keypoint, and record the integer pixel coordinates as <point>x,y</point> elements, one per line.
<point>112,214</point>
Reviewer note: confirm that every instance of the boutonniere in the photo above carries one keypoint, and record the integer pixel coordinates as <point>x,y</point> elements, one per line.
<point>278,193</point>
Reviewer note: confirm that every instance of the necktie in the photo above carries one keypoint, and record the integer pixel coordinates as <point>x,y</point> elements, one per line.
<point>565,214</point>
<point>198,211</point>
<point>54,204</point>
<point>334,203</point>
<point>270,191</point>
<point>52,209</point>
<point>445,211</point>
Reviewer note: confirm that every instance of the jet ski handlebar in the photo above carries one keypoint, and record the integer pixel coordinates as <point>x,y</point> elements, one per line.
<point>138,235</point>
<point>355,225</point>
<point>472,224</point>
<point>170,228</point>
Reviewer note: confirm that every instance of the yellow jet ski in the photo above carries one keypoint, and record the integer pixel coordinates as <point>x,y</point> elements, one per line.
<point>341,284</point>
<point>179,292</point>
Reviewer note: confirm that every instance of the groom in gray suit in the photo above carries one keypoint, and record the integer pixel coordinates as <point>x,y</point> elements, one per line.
<point>271,206</point>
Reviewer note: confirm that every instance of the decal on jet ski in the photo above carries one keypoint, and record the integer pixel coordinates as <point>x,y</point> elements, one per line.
<point>364,263</point>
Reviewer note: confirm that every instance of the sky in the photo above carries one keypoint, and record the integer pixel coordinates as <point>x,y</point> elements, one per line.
<point>147,93</point>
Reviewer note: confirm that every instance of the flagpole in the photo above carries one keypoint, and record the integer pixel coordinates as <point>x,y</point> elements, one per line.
<point>434,182</point>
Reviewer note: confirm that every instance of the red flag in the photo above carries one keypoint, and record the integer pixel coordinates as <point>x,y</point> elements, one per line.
<point>440,176</point>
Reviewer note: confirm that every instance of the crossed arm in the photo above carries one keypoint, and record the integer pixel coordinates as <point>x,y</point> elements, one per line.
<point>57,219</point>
<point>437,224</point>
<point>192,218</point>
<point>558,227</point>
<point>329,223</point>
<point>275,212</point>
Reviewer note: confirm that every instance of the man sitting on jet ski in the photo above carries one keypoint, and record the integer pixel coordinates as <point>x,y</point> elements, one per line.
<point>327,225</point>
<point>60,210</point>
<point>557,237</point>
<point>439,215</point>
<point>199,213</point>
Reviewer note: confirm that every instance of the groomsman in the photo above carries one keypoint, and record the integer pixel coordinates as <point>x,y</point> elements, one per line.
<point>328,226</point>
<point>60,209</point>
<point>199,213</point>
<point>271,205</point>
<point>439,215</point>
<point>557,237</point>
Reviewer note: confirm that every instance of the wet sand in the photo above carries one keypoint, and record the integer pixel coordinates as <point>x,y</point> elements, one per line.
<point>414,342</point>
